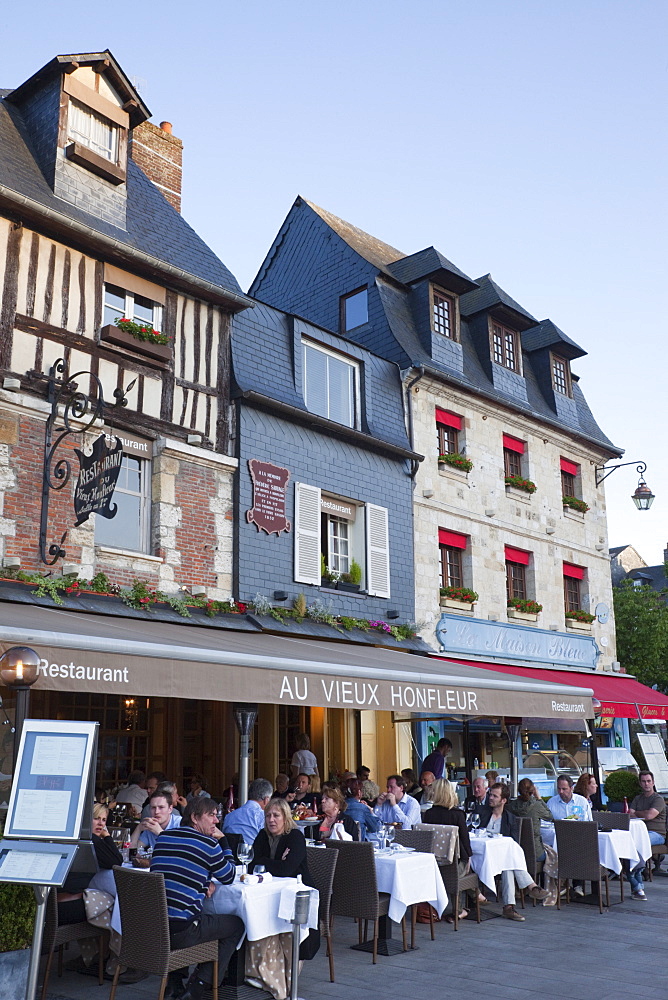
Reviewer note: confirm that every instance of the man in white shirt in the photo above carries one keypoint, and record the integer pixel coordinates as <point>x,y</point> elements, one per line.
<point>248,819</point>
<point>395,806</point>
<point>566,803</point>
<point>134,793</point>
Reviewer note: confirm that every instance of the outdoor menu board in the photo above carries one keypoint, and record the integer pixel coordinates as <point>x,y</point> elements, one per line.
<point>53,780</point>
<point>651,745</point>
<point>35,864</point>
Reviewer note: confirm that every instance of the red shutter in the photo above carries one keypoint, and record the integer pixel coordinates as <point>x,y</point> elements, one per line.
<point>452,539</point>
<point>513,444</point>
<point>577,572</point>
<point>449,419</point>
<point>570,467</point>
<point>517,556</point>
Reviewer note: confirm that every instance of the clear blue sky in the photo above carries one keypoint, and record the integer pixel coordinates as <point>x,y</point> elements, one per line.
<point>523,138</point>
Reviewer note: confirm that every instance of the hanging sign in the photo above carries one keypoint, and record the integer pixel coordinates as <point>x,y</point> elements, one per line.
<point>98,473</point>
<point>270,483</point>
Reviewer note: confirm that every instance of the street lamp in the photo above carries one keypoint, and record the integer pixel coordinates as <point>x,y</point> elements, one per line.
<point>643,497</point>
<point>19,669</point>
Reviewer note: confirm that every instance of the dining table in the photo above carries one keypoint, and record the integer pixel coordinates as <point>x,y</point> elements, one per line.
<point>614,846</point>
<point>409,877</point>
<point>493,854</point>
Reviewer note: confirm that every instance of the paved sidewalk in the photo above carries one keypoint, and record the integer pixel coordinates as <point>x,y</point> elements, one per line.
<point>567,955</point>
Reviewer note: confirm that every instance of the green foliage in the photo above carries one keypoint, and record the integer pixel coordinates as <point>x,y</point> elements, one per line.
<point>575,504</point>
<point>100,584</point>
<point>464,594</point>
<point>354,574</point>
<point>49,586</point>
<point>521,484</point>
<point>17,916</point>
<point>141,331</point>
<point>620,785</point>
<point>641,616</point>
<point>299,606</point>
<point>457,461</point>
<point>579,616</point>
<point>526,605</point>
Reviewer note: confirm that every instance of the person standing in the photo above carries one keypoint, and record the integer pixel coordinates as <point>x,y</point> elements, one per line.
<point>435,761</point>
<point>305,762</point>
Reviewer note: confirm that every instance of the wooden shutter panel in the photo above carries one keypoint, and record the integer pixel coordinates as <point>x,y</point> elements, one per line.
<point>377,550</point>
<point>307,534</point>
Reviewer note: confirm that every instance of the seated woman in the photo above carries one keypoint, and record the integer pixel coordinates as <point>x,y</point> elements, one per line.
<point>280,847</point>
<point>411,781</point>
<point>445,810</point>
<point>586,786</point>
<point>71,908</point>
<point>333,806</point>
<point>359,810</point>
<point>529,803</point>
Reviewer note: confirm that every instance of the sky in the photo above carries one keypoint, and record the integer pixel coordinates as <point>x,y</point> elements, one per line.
<point>524,139</point>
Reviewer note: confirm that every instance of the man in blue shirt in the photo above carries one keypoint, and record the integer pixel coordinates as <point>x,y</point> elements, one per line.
<point>189,857</point>
<point>248,819</point>
<point>395,806</point>
<point>161,817</point>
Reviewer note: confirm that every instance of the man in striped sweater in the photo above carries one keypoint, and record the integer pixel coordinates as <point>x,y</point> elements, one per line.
<point>190,856</point>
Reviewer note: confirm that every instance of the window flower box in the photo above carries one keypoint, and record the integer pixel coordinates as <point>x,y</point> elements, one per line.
<point>579,620</point>
<point>525,616</point>
<point>575,504</point>
<point>447,602</point>
<point>455,461</point>
<point>159,354</point>
<point>524,609</point>
<point>576,626</point>
<point>519,483</point>
<point>458,598</point>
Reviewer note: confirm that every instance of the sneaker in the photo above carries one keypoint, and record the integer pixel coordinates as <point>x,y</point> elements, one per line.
<point>638,894</point>
<point>535,892</point>
<point>510,913</point>
<point>579,891</point>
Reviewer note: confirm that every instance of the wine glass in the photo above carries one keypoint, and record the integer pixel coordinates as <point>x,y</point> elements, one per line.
<point>389,834</point>
<point>475,821</point>
<point>244,853</point>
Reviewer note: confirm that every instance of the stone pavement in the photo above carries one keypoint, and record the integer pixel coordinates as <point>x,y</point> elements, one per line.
<point>568,955</point>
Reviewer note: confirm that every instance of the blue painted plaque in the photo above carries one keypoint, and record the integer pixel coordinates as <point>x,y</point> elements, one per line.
<point>501,641</point>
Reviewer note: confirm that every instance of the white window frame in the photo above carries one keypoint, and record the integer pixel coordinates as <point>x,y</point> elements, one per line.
<point>87,139</point>
<point>129,312</point>
<point>307,534</point>
<point>144,495</point>
<point>354,365</point>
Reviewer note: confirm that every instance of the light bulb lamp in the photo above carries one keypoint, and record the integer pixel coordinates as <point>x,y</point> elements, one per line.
<point>643,497</point>
<point>19,669</point>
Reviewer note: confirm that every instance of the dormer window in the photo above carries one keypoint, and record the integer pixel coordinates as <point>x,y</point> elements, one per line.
<point>561,376</point>
<point>505,346</point>
<point>93,131</point>
<point>443,313</point>
<point>331,384</point>
<point>354,310</point>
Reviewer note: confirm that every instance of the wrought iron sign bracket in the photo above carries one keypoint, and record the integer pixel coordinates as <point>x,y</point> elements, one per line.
<point>63,391</point>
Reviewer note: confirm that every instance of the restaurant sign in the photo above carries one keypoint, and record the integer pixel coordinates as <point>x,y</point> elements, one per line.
<point>474,636</point>
<point>270,483</point>
<point>98,474</point>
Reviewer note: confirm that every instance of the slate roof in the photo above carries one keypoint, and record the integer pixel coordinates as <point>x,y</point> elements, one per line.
<point>486,296</point>
<point>428,262</point>
<point>652,576</point>
<point>375,251</point>
<point>547,334</point>
<point>153,226</point>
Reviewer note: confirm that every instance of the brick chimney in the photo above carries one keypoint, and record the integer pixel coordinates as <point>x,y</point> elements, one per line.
<point>159,154</point>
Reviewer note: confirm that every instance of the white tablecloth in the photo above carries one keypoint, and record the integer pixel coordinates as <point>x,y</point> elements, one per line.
<point>641,838</point>
<point>410,877</point>
<point>612,846</point>
<point>266,908</point>
<point>493,855</point>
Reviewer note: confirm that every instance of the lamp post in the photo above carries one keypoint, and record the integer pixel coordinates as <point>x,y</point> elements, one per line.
<point>19,669</point>
<point>643,497</point>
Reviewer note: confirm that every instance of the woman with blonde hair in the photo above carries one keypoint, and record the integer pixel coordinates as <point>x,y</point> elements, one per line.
<point>445,810</point>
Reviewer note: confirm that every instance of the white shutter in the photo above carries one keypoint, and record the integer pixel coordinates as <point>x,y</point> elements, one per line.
<point>307,534</point>
<point>377,550</point>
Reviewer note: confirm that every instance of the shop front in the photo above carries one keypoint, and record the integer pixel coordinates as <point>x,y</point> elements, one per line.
<point>163,693</point>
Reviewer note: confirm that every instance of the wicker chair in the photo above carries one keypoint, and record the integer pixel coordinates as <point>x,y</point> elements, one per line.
<point>57,935</point>
<point>321,868</point>
<point>355,890</point>
<point>527,843</point>
<point>145,941</point>
<point>578,858</point>
<point>423,842</point>
<point>612,821</point>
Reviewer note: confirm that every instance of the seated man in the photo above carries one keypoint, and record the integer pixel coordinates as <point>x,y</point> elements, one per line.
<point>281,785</point>
<point>427,779</point>
<point>359,810</point>
<point>248,819</point>
<point>394,806</point>
<point>162,817</point>
<point>189,857</point>
<point>650,807</point>
<point>134,793</point>
<point>496,819</point>
<point>363,773</point>
<point>304,795</point>
<point>565,803</point>
<point>480,796</point>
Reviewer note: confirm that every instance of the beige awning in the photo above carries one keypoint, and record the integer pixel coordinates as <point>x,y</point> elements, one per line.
<point>110,655</point>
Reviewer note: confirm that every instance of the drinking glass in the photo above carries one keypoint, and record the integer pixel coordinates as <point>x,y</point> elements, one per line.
<point>389,834</point>
<point>244,853</point>
<point>475,821</point>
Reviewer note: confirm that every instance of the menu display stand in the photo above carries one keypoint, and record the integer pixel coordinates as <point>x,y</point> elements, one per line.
<point>48,827</point>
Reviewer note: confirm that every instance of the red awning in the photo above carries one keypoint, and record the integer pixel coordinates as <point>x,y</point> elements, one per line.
<point>570,467</point>
<point>513,444</point>
<point>447,418</point>
<point>619,695</point>
<point>452,539</point>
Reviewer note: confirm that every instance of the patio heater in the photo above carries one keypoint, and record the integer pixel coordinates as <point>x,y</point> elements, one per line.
<point>245,715</point>
<point>513,727</point>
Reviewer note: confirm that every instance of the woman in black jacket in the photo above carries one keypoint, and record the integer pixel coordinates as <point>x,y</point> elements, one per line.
<point>334,806</point>
<point>445,811</point>
<point>71,908</point>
